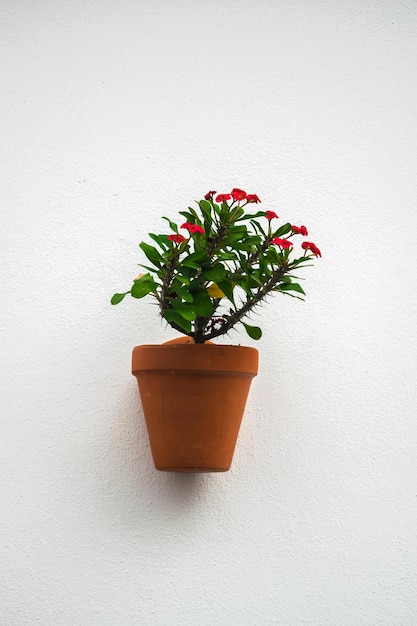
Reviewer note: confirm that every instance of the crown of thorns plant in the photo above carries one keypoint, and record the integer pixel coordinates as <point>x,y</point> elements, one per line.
<point>229,259</point>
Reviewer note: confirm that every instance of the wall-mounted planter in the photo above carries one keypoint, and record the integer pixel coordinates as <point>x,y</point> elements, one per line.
<point>193,398</point>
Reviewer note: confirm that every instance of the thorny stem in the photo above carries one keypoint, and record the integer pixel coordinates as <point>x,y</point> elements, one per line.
<point>201,322</point>
<point>237,316</point>
<point>170,268</point>
<point>163,299</point>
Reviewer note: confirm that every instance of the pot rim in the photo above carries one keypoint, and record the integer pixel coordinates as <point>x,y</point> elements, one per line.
<point>210,358</point>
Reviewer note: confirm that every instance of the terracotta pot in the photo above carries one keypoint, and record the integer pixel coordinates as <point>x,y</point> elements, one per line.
<point>193,398</point>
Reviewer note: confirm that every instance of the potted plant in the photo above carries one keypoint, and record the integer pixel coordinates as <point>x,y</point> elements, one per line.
<point>207,276</point>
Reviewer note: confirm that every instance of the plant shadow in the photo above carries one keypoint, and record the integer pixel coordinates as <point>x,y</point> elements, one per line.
<point>137,488</point>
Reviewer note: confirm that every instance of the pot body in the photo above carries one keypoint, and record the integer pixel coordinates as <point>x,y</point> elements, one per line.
<point>193,398</point>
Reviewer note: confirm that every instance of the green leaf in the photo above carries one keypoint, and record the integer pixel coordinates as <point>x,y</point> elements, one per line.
<point>237,213</point>
<point>161,240</point>
<point>238,233</point>
<point>195,283</point>
<point>187,311</point>
<point>216,273</point>
<point>303,259</point>
<point>184,294</point>
<point>172,225</point>
<point>188,216</point>
<point>255,279</point>
<point>253,240</point>
<point>150,269</point>
<point>273,256</point>
<point>264,271</point>
<point>245,284</point>
<point>190,263</point>
<point>291,287</point>
<point>283,230</point>
<point>253,331</point>
<point>205,207</point>
<point>172,316</point>
<point>258,228</point>
<point>242,246</point>
<point>202,302</point>
<point>227,287</point>
<point>183,279</point>
<point>227,256</point>
<point>143,286</point>
<point>152,254</point>
<point>249,216</point>
<point>287,293</point>
<point>199,257</point>
<point>118,297</point>
<point>224,211</point>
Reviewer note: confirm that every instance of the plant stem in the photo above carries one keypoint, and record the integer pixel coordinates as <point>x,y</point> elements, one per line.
<point>165,289</point>
<point>199,326</point>
<point>237,316</point>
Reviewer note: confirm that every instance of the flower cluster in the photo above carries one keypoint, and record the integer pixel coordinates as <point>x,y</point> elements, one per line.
<point>235,194</point>
<point>209,281</point>
<point>299,230</point>
<point>308,245</point>
<point>282,243</point>
<point>193,228</point>
<point>176,238</point>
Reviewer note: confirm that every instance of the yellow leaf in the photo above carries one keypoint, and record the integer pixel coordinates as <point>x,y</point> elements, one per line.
<point>214,291</point>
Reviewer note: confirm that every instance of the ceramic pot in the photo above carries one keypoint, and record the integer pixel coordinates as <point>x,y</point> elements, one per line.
<point>193,398</point>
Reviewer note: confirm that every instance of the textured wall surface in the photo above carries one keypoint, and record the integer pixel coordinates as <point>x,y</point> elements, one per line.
<point>113,114</point>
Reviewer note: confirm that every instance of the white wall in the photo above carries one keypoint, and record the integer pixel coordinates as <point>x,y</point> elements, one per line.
<point>113,114</point>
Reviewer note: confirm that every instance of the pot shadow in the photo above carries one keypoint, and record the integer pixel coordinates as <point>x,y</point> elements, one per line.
<point>137,486</point>
<point>170,488</point>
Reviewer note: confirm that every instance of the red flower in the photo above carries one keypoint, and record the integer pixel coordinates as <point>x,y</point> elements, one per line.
<point>270,215</point>
<point>299,230</point>
<point>176,238</point>
<point>308,245</point>
<point>223,197</point>
<point>238,194</point>
<point>282,243</point>
<point>209,195</point>
<point>193,228</point>
<point>252,197</point>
